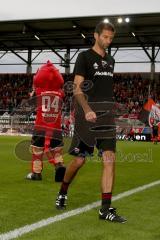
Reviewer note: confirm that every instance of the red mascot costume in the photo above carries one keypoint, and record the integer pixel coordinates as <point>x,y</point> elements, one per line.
<point>47,135</point>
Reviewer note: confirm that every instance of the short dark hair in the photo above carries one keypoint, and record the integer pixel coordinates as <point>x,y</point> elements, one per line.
<point>104,26</point>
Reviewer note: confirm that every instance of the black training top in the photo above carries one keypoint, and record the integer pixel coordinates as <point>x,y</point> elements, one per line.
<point>98,74</point>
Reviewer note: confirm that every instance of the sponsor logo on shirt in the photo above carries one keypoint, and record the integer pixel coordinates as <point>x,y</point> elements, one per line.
<point>98,73</point>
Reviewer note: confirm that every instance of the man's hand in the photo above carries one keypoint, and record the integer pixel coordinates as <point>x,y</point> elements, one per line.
<point>91,116</point>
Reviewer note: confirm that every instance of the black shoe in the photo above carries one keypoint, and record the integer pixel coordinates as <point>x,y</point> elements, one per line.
<point>59,172</point>
<point>111,215</point>
<point>61,201</point>
<point>34,176</point>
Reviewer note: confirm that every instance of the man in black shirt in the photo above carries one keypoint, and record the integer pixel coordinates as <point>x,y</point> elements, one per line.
<point>94,118</point>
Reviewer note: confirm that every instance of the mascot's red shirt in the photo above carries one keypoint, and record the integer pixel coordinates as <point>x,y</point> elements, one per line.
<point>48,83</point>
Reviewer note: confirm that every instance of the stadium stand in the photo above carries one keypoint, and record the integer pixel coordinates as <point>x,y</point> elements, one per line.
<point>16,112</point>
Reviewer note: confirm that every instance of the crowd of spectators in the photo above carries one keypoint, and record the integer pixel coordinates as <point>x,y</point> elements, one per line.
<point>14,89</point>
<point>132,91</point>
<point>129,89</point>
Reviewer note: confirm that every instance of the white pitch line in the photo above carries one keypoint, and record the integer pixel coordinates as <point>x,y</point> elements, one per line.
<point>28,228</point>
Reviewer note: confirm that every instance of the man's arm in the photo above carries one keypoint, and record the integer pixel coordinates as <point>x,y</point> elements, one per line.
<point>80,97</point>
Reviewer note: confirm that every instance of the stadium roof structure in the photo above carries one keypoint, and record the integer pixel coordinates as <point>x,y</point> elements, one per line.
<point>143,30</point>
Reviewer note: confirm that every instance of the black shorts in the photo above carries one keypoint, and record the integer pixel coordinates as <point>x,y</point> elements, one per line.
<point>38,139</point>
<point>81,149</point>
<point>101,134</point>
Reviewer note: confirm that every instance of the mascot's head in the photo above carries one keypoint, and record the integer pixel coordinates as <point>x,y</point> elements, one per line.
<point>48,78</point>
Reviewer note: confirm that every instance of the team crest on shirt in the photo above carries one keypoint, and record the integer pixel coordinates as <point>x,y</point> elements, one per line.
<point>95,65</point>
<point>104,64</point>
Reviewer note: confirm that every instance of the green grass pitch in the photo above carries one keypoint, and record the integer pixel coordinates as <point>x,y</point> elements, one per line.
<point>25,202</point>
